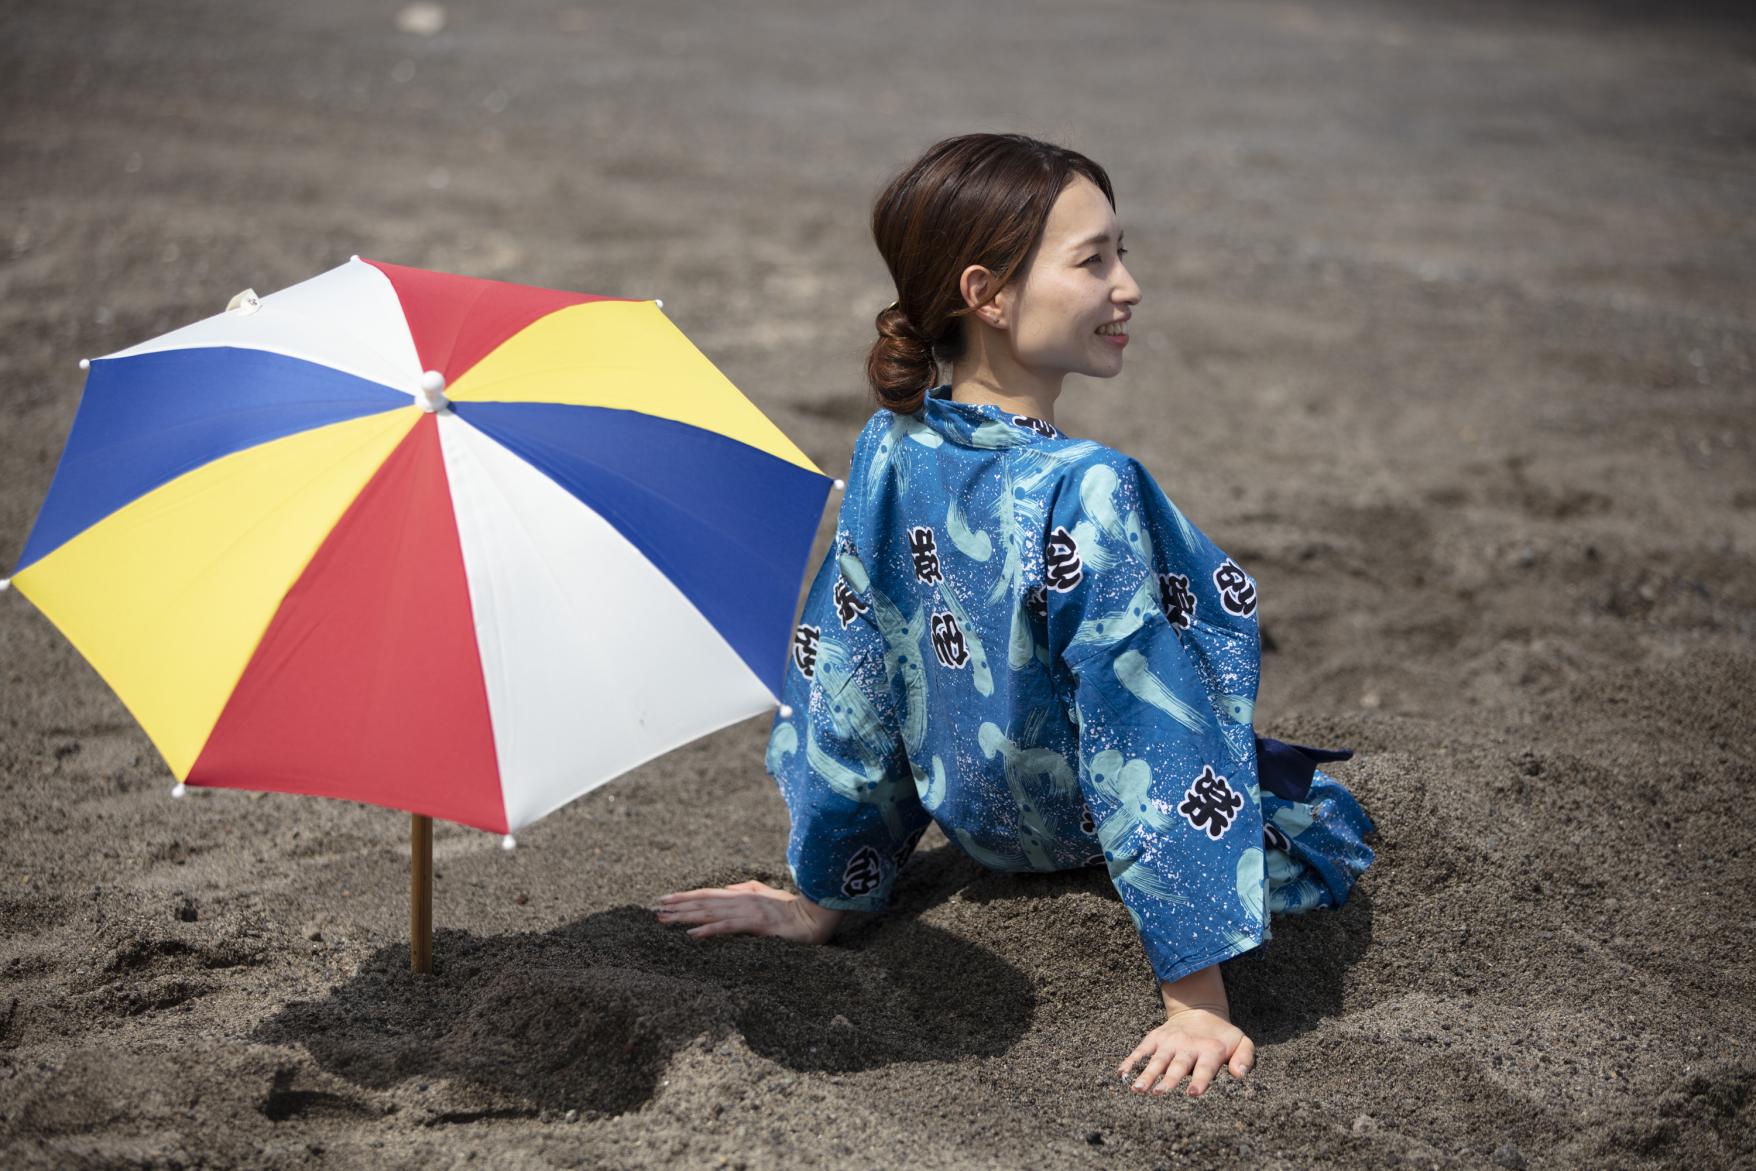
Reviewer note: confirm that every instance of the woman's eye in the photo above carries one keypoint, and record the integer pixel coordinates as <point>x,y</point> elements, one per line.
<point>1089,259</point>
<point>1121,252</point>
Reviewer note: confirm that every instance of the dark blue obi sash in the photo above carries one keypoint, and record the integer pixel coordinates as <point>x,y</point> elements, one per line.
<point>1286,770</point>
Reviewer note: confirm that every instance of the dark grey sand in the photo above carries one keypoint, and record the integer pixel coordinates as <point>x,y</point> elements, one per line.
<point>1447,336</point>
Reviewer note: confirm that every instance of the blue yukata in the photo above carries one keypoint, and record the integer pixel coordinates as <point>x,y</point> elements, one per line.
<point>1016,635</point>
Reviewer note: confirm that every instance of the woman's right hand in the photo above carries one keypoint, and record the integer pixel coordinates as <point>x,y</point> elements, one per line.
<point>749,908</point>
<point>1195,1043</point>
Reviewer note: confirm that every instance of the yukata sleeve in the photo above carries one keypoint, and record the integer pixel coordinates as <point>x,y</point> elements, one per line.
<point>839,760</point>
<point>1173,796</point>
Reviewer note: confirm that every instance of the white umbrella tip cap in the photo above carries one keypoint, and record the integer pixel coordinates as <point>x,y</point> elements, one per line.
<point>429,397</point>
<point>5,584</point>
<point>179,790</point>
<point>85,363</point>
<point>786,711</point>
<point>658,302</point>
<point>841,485</point>
<point>508,842</point>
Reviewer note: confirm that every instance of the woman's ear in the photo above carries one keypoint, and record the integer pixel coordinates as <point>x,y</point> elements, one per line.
<point>976,283</point>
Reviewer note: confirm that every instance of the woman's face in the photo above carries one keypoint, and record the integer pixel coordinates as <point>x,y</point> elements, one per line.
<point>1074,284</point>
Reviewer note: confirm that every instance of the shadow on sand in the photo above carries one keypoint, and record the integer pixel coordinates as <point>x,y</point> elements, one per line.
<point>1277,991</point>
<point>592,1011</point>
<point>1292,983</point>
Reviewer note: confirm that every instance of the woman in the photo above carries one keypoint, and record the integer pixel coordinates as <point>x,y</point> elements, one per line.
<point>1017,636</point>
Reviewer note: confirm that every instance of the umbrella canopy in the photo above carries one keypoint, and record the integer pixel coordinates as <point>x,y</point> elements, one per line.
<point>453,546</point>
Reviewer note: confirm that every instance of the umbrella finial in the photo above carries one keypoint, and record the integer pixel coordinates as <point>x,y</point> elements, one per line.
<point>431,396</point>
<point>508,842</point>
<point>245,303</point>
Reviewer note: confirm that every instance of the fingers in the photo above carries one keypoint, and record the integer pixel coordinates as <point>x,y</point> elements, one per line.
<point>1175,1055</point>
<point>680,898</point>
<point>706,893</point>
<point>1140,1050</point>
<point>717,912</point>
<point>727,927</point>
<point>714,902</point>
<point>671,916</point>
<point>713,920</point>
<point>1205,1067</point>
<point>1243,1058</point>
<point>1179,1069</point>
<point>1154,1069</point>
<point>711,913</point>
<point>742,892</point>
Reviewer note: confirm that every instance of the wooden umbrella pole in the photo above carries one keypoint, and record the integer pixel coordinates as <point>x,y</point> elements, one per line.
<point>420,893</point>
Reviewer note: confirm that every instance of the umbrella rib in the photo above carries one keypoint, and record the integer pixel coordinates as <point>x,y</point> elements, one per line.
<point>123,442</point>
<point>177,471</point>
<point>473,398</point>
<point>320,328</point>
<point>451,350</point>
<point>257,348</point>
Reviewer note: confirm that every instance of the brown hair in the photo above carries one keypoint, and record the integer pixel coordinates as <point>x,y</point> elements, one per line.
<point>973,199</point>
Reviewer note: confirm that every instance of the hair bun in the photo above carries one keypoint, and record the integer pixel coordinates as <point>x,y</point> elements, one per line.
<point>894,323</point>
<point>900,368</point>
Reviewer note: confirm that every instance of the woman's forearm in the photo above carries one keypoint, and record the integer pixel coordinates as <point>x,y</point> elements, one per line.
<point>1203,989</point>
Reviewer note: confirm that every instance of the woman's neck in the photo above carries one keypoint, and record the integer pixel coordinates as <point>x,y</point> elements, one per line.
<point>980,385</point>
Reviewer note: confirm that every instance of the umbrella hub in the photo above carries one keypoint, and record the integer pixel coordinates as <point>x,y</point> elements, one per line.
<point>430,397</point>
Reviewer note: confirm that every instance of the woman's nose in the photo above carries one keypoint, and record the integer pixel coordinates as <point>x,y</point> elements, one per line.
<point>1128,291</point>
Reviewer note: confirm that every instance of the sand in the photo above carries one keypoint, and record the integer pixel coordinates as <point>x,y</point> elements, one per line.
<point>1447,337</point>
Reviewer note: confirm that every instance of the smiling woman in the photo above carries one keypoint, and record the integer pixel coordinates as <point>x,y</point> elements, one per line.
<point>1024,209</point>
<point>1017,636</point>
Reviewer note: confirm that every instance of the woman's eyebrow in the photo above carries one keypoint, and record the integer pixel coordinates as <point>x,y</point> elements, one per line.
<point>1100,238</point>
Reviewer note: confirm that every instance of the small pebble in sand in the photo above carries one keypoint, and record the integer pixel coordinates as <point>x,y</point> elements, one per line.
<point>1508,1156</point>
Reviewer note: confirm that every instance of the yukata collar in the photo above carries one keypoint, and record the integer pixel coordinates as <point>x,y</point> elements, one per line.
<point>982,424</point>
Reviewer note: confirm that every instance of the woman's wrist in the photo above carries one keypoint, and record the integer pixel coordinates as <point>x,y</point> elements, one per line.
<point>1202,991</point>
<point>822,920</point>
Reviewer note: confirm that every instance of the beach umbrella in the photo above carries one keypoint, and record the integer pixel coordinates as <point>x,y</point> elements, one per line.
<point>452,546</point>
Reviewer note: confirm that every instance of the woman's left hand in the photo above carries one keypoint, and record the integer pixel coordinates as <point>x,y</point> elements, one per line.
<point>1194,1043</point>
<point>749,908</point>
